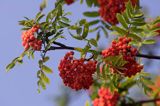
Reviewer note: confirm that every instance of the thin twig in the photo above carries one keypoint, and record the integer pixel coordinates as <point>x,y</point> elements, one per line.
<point>147,56</point>
<point>61,48</point>
<point>59,44</point>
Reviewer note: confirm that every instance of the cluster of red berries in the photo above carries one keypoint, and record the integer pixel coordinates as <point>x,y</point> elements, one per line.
<point>109,8</point>
<point>76,73</point>
<point>69,1</point>
<point>122,47</point>
<point>106,98</point>
<point>29,40</point>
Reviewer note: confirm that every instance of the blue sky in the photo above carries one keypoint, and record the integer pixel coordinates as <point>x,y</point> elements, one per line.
<point>19,88</point>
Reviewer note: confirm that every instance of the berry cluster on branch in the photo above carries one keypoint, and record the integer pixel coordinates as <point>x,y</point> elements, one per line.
<point>106,98</point>
<point>29,39</point>
<point>76,73</point>
<point>122,47</point>
<point>109,8</point>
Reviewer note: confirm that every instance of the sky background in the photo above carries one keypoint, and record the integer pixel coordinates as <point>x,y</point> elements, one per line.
<point>19,87</point>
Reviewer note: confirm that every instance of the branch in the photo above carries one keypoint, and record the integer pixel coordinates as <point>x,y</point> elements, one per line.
<point>62,46</point>
<point>59,44</point>
<point>143,102</point>
<point>147,56</point>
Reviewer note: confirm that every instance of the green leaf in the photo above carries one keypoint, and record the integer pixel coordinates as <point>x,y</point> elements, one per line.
<point>78,37</point>
<point>135,37</point>
<point>14,61</point>
<point>89,3</point>
<point>91,14</point>
<point>40,62</point>
<point>98,36</point>
<point>10,66</point>
<point>85,50</point>
<point>104,31</point>
<point>39,16</point>
<point>121,19</point>
<point>79,31</point>
<point>51,15</point>
<point>136,30</point>
<point>59,8</point>
<point>106,25</point>
<point>65,19</point>
<point>94,22</point>
<point>63,24</point>
<point>74,27</point>
<point>128,83</point>
<point>22,22</point>
<point>98,69</point>
<point>121,31</point>
<point>43,5</point>
<point>27,23</point>
<point>95,3</point>
<point>45,59</point>
<point>149,41</point>
<point>94,29</point>
<point>126,17</point>
<point>138,23</point>
<point>27,18</point>
<point>139,19</point>
<point>138,15</point>
<point>44,25</point>
<point>41,84</point>
<point>119,61</point>
<point>85,31</point>
<point>82,22</point>
<point>129,9</point>
<point>104,67</point>
<point>116,61</point>
<point>47,69</point>
<point>45,78</point>
<point>93,42</point>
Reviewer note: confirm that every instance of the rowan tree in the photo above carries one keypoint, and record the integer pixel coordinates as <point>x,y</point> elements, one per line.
<point>109,73</point>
